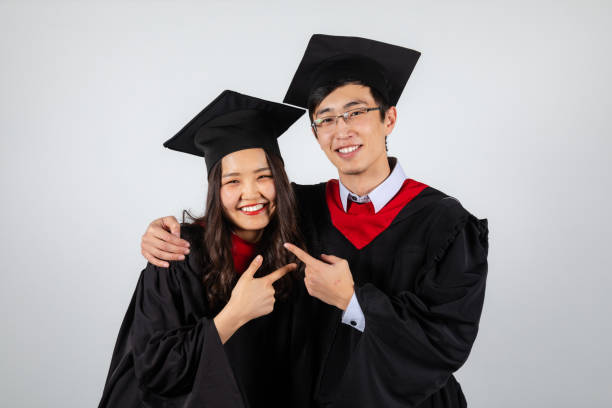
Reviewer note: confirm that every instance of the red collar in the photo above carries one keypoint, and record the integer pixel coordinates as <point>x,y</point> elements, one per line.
<point>360,225</point>
<point>243,253</point>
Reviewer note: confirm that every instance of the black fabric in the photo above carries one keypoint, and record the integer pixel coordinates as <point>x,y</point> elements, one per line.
<point>383,66</point>
<point>168,353</point>
<point>421,286</point>
<point>233,122</point>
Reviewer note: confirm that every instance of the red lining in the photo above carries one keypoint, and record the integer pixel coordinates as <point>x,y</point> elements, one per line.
<point>360,225</point>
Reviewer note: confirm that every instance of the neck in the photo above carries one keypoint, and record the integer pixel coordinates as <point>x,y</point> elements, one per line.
<point>250,236</point>
<point>364,182</point>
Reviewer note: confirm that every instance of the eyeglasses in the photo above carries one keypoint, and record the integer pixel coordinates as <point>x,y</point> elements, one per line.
<point>328,123</point>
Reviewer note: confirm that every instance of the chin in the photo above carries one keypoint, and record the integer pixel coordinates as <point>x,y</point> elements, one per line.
<point>253,225</point>
<point>351,170</point>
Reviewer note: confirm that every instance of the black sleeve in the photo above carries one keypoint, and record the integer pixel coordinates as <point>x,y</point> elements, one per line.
<point>414,340</point>
<point>177,355</point>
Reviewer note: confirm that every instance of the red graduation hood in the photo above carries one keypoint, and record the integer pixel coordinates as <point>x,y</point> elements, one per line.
<point>360,225</point>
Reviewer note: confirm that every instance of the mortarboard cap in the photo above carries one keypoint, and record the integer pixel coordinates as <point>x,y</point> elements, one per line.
<point>233,122</point>
<point>381,66</point>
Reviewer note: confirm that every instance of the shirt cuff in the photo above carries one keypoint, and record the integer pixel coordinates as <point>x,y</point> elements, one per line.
<point>353,315</point>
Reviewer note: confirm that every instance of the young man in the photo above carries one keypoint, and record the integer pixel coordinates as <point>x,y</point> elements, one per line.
<point>402,267</point>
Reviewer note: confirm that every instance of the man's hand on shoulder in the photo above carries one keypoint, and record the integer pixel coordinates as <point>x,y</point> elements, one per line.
<point>161,242</point>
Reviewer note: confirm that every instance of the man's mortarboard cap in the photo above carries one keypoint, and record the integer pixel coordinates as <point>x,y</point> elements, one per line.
<point>328,58</point>
<point>233,122</point>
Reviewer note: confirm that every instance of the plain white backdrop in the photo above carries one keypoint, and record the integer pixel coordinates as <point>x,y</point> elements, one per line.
<point>507,110</point>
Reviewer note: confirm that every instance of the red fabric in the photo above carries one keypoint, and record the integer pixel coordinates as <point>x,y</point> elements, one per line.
<point>243,253</point>
<point>360,225</point>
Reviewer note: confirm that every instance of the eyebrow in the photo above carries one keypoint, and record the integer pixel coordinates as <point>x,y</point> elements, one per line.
<point>346,106</point>
<point>259,170</point>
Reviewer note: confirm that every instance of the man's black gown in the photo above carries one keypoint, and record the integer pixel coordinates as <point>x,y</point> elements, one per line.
<point>420,284</point>
<point>168,352</point>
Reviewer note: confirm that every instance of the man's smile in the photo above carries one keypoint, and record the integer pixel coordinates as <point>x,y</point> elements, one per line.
<point>348,151</point>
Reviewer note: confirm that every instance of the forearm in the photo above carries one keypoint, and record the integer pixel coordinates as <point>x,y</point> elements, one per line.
<point>227,323</point>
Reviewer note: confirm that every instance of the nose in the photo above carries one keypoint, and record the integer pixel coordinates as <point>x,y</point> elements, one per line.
<point>342,129</point>
<point>250,190</point>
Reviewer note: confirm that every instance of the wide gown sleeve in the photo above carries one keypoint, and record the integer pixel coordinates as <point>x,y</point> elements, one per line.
<point>178,356</point>
<point>414,340</point>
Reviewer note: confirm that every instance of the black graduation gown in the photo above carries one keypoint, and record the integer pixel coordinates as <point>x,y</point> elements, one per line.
<point>168,353</point>
<point>420,284</point>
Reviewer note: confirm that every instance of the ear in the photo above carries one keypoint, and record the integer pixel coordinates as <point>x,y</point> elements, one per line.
<point>390,120</point>
<point>312,129</point>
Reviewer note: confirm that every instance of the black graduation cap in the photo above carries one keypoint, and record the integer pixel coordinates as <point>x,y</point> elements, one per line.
<point>381,66</point>
<point>233,122</point>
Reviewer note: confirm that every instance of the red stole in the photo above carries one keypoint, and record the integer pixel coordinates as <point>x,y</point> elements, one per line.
<point>360,225</point>
<point>243,253</point>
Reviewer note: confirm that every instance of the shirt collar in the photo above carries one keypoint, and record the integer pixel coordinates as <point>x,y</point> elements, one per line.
<point>383,193</point>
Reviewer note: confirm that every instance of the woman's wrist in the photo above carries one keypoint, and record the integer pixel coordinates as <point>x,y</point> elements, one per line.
<point>227,322</point>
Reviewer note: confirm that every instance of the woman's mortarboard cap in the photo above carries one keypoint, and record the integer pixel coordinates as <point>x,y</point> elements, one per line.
<point>233,122</point>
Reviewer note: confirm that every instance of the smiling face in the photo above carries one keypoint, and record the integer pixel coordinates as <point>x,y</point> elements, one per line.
<point>356,148</point>
<point>247,192</point>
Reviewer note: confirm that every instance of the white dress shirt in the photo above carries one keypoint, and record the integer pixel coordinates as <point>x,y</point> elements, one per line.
<point>380,196</point>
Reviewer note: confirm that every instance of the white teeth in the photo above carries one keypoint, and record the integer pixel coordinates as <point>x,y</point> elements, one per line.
<point>348,149</point>
<point>252,208</point>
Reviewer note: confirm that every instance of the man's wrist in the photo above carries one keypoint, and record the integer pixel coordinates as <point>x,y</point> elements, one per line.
<point>346,299</point>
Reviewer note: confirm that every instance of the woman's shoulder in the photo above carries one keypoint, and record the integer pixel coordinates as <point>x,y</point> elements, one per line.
<point>173,279</point>
<point>186,269</point>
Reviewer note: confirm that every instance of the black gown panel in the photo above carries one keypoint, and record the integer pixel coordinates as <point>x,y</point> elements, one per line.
<point>420,284</point>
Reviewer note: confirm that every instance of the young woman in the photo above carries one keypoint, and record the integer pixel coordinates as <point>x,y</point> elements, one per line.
<point>213,330</point>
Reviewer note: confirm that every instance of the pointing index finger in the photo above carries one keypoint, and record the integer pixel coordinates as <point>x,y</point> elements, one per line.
<point>301,254</point>
<point>250,271</point>
<point>280,272</point>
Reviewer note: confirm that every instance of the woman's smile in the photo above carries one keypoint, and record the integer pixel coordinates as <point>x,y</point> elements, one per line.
<point>253,209</point>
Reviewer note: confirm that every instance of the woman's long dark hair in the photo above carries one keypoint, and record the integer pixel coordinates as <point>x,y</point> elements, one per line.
<point>219,274</point>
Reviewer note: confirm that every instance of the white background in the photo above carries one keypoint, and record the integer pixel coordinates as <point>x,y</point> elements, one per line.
<point>507,110</point>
